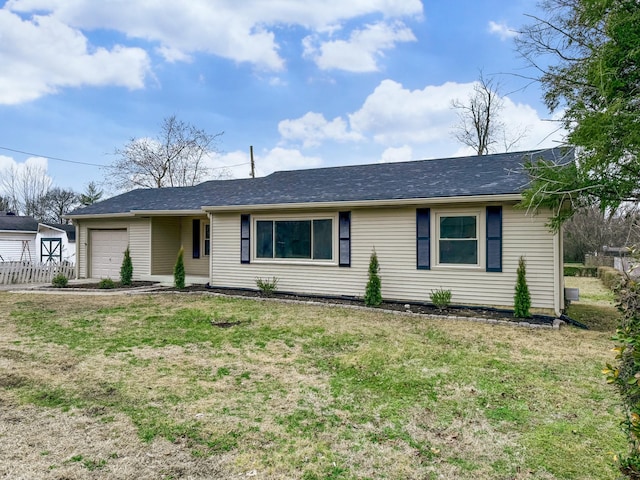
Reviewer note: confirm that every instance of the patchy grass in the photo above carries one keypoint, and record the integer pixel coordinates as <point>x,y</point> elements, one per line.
<point>147,387</point>
<point>596,307</point>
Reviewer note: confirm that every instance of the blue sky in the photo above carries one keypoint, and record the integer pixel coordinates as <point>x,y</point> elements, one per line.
<point>308,84</point>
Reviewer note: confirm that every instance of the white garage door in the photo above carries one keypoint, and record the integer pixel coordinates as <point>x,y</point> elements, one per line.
<point>107,252</point>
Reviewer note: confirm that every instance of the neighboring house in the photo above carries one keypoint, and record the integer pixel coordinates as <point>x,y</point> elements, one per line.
<point>17,238</point>
<point>56,242</point>
<point>446,223</point>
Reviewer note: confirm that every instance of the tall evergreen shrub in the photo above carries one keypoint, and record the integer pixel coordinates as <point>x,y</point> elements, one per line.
<point>126,270</point>
<point>522,297</point>
<point>373,291</point>
<point>178,270</point>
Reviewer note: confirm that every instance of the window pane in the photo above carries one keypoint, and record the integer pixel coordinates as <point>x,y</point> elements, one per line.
<point>322,240</point>
<point>457,227</point>
<point>264,239</point>
<point>459,251</point>
<point>293,239</point>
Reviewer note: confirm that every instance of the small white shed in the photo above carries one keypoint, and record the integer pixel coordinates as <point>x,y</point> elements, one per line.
<point>55,242</point>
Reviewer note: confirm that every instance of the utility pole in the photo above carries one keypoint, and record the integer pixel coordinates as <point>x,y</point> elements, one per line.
<point>253,163</point>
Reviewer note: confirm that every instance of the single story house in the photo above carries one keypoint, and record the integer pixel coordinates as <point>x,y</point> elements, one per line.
<point>17,238</point>
<point>446,223</point>
<point>56,242</point>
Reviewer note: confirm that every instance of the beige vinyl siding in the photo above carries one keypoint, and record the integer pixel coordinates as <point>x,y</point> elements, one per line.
<point>165,243</point>
<point>392,232</point>
<point>139,231</point>
<point>194,266</point>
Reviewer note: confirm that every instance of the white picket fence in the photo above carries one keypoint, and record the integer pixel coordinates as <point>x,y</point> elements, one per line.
<point>28,272</point>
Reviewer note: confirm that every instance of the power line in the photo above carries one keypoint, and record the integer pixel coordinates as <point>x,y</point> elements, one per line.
<point>51,158</point>
<point>94,164</point>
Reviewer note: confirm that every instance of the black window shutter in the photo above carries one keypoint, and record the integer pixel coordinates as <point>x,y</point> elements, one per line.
<point>245,238</point>
<point>196,238</point>
<point>344,237</point>
<point>423,239</point>
<point>494,239</point>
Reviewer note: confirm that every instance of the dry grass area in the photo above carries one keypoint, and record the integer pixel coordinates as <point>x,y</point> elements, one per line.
<point>596,307</point>
<point>144,387</point>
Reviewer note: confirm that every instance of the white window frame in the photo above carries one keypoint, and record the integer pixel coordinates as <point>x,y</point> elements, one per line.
<point>333,216</point>
<point>480,237</point>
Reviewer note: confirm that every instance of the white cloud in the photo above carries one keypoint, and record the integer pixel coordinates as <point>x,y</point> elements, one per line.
<point>416,123</point>
<point>313,129</point>
<point>360,53</point>
<point>393,115</point>
<point>240,31</point>
<point>278,159</point>
<point>399,154</point>
<point>502,30</point>
<point>237,164</point>
<point>42,55</point>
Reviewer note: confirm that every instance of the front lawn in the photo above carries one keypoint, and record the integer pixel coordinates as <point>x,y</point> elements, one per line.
<point>126,387</point>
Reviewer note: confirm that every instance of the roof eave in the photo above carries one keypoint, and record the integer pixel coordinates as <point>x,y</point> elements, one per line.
<point>510,197</point>
<point>135,213</point>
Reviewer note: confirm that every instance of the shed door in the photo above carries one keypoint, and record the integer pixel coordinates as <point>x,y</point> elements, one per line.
<point>107,252</point>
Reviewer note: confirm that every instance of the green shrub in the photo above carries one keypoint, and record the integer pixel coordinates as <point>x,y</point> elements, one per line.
<point>106,283</point>
<point>440,298</point>
<point>178,270</point>
<point>373,290</point>
<point>625,374</point>
<point>522,297</point>
<point>126,270</point>
<point>611,278</point>
<point>580,271</point>
<point>60,280</point>
<point>267,286</point>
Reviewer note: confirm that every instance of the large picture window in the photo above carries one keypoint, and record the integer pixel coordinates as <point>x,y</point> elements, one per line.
<point>458,239</point>
<point>294,239</point>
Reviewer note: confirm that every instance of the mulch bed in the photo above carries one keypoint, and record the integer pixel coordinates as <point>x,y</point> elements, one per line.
<point>413,307</point>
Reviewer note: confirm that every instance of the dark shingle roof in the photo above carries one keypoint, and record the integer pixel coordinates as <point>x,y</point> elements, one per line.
<point>450,177</point>
<point>70,230</point>
<point>18,223</point>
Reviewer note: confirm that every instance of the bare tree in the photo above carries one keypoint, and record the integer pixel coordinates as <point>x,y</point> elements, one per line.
<point>25,187</point>
<point>58,202</point>
<point>590,229</point>
<point>479,119</point>
<point>5,204</point>
<point>174,158</point>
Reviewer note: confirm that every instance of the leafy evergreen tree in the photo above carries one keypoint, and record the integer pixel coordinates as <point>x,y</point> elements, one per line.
<point>522,298</point>
<point>178,270</point>
<point>587,58</point>
<point>126,270</point>
<point>373,291</point>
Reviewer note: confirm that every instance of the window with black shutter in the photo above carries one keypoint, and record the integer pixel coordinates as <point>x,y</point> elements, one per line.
<point>494,239</point>
<point>344,232</point>
<point>245,243</point>
<point>423,239</point>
